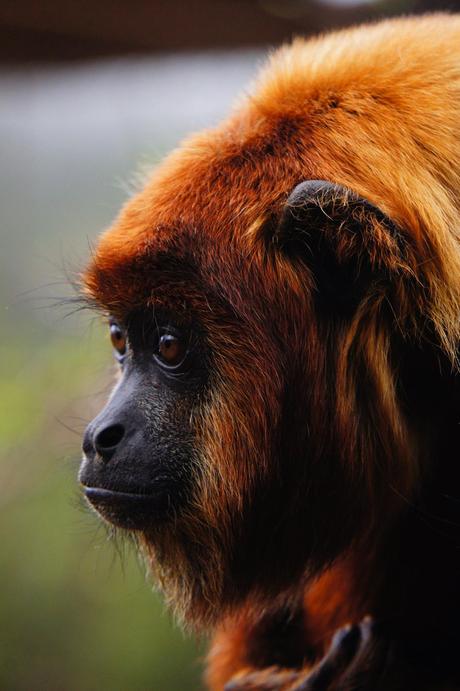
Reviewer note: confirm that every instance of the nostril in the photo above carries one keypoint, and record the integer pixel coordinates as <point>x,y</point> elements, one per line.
<point>108,438</point>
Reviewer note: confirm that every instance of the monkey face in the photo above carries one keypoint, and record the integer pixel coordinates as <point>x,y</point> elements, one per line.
<point>186,451</point>
<point>138,452</point>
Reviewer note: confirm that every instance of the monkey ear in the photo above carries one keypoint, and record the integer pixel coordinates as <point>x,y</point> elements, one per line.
<point>347,242</point>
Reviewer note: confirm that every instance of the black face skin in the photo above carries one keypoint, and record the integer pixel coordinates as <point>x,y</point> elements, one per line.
<point>138,451</point>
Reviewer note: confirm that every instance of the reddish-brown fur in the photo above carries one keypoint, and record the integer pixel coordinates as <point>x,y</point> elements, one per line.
<point>376,109</point>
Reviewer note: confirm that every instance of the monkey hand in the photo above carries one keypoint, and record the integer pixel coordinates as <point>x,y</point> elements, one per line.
<point>356,661</point>
<point>268,679</point>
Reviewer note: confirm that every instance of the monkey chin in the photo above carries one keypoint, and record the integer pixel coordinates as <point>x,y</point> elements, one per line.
<point>123,504</point>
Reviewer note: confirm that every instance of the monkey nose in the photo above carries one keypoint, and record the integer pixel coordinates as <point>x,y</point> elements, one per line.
<point>103,440</point>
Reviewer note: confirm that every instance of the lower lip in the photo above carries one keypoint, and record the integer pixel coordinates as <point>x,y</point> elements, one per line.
<point>127,510</point>
<point>98,494</point>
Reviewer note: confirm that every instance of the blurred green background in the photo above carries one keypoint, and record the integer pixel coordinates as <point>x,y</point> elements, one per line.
<point>75,610</point>
<point>87,100</point>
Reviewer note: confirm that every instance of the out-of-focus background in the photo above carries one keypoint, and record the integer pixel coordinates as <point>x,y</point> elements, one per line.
<point>91,94</point>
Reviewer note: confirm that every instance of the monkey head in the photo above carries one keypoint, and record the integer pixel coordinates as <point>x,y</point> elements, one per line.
<point>258,291</point>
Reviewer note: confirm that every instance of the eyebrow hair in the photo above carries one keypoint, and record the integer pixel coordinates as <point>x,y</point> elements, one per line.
<point>141,281</point>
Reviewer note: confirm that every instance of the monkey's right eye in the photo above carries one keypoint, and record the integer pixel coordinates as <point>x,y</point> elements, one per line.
<point>118,338</point>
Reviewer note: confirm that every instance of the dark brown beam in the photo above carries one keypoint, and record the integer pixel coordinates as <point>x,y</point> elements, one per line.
<point>65,29</point>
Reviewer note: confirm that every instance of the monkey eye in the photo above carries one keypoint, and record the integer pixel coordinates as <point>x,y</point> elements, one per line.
<point>171,350</point>
<point>118,338</point>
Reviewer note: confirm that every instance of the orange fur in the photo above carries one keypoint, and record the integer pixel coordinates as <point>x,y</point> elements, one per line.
<point>377,110</point>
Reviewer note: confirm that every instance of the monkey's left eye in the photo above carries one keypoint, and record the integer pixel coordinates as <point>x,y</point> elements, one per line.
<point>171,350</point>
<point>118,338</point>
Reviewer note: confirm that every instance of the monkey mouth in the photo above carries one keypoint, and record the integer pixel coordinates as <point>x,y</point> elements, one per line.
<point>128,510</point>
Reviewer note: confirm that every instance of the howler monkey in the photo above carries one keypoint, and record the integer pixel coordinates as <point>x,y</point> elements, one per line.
<point>283,298</point>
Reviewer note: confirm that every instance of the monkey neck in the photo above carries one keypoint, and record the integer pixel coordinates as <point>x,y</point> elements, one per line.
<point>409,578</point>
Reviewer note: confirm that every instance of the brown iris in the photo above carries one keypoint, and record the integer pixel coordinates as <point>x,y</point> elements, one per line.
<point>171,350</point>
<point>118,338</point>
